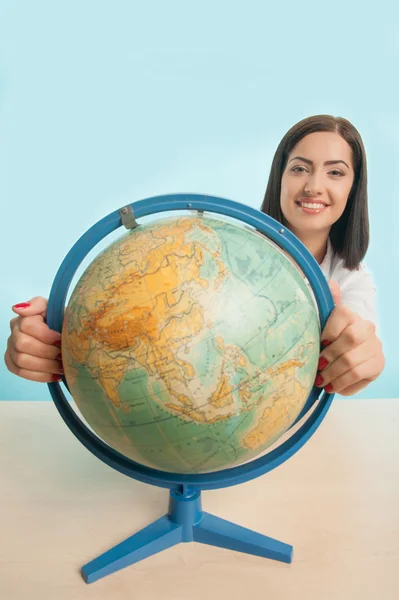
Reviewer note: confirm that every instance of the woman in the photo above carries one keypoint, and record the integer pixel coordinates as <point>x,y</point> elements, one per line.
<point>317,189</point>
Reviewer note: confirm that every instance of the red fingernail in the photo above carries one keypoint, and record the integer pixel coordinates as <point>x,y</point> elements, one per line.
<point>59,357</point>
<point>57,343</point>
<point>325,343</point>
<point>323,362</point>
<point>328,388</point>
<point>319,380</point>
<point>22,305</point>
<point>55,378</point>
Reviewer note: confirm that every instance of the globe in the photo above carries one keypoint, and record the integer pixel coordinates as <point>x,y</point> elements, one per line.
<point>191,344</point>
<point>190,348</point>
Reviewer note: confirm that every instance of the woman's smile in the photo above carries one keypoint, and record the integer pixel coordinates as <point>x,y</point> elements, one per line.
<point>310,206</point>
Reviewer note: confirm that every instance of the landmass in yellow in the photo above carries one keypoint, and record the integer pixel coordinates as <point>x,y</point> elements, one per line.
<point>137,300</point>
<point>287,400</point>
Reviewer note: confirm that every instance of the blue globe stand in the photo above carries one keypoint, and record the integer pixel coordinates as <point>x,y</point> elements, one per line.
<point>185,520</point>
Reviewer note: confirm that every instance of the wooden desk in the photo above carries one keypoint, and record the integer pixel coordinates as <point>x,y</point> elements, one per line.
<point>336,501</point>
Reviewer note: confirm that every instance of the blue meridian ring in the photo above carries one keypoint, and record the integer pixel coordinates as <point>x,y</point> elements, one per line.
<point>266,225</point>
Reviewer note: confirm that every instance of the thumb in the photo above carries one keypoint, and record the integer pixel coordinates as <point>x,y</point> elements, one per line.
<point>35,306</point>
<point>335,291</point>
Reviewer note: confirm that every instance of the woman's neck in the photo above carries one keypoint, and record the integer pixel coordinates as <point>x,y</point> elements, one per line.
<point>317,245</point>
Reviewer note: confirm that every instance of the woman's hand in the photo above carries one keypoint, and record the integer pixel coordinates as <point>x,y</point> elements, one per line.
<point>352,356</point>
<point>33,350</point>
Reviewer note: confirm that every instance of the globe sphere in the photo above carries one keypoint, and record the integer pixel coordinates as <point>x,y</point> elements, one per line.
<point>191,344</point>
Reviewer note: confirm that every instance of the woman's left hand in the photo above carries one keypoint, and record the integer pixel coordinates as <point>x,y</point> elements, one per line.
<point>352,356</point>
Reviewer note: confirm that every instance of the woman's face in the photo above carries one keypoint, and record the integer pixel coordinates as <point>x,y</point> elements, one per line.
<point>316,183</point>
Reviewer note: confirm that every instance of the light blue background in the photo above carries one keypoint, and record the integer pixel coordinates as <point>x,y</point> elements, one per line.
<point>105,103</point>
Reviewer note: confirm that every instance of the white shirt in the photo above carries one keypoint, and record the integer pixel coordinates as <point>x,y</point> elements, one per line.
<point>358,290</point>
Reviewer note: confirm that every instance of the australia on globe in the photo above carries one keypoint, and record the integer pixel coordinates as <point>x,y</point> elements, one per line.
<point>191,344</point>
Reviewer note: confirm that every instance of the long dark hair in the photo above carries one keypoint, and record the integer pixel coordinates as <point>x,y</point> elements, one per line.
<point>350,234</point>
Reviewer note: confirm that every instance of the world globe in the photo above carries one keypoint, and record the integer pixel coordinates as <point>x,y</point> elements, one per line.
<point>191,344</point>
<point>190,348</point>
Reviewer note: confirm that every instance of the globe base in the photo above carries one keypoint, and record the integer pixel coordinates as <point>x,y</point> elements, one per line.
<point>185,522</point>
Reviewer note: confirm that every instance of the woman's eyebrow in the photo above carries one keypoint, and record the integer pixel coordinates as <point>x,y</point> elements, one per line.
<point>310,162</point>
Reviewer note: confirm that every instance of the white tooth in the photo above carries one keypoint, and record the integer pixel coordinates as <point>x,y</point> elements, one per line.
<point>311,205</point>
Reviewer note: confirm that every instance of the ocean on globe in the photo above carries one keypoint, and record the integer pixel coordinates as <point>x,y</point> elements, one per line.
<point>191,344</point>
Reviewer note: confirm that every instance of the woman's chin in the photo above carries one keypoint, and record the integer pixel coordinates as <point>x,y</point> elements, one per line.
<point>303,229</point>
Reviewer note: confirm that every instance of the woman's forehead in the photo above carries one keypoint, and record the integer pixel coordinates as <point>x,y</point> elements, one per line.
<point>323,146</point>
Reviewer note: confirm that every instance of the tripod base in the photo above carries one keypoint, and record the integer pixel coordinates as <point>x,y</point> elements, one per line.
<point>185,522</point>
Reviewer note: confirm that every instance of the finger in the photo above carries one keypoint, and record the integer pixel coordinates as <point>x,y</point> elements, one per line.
<point>35,306</point>
<point>37,328</point>
<point>346,362</point>
<point>21,342</point>
<point>13,323</point>
<point>353,336</point>
<point>339,319</point>
<point>367,370</point>
<point>354,389</point>
<point>33,363</point>
<point>26,374</point>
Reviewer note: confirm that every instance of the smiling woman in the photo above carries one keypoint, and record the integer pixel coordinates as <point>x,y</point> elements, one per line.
<point>318,189</point>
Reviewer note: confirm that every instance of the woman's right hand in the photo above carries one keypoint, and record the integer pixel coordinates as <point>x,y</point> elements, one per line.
<point>33,349</point>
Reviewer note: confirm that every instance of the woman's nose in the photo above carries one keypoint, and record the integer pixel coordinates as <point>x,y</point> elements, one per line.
<point>314,184</point>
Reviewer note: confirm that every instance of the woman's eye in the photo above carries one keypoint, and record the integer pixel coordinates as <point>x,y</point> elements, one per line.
<point>335,172</point>
<point>298,169</point>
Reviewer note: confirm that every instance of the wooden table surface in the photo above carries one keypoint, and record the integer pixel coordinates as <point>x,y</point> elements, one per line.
<point>336,501</point>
